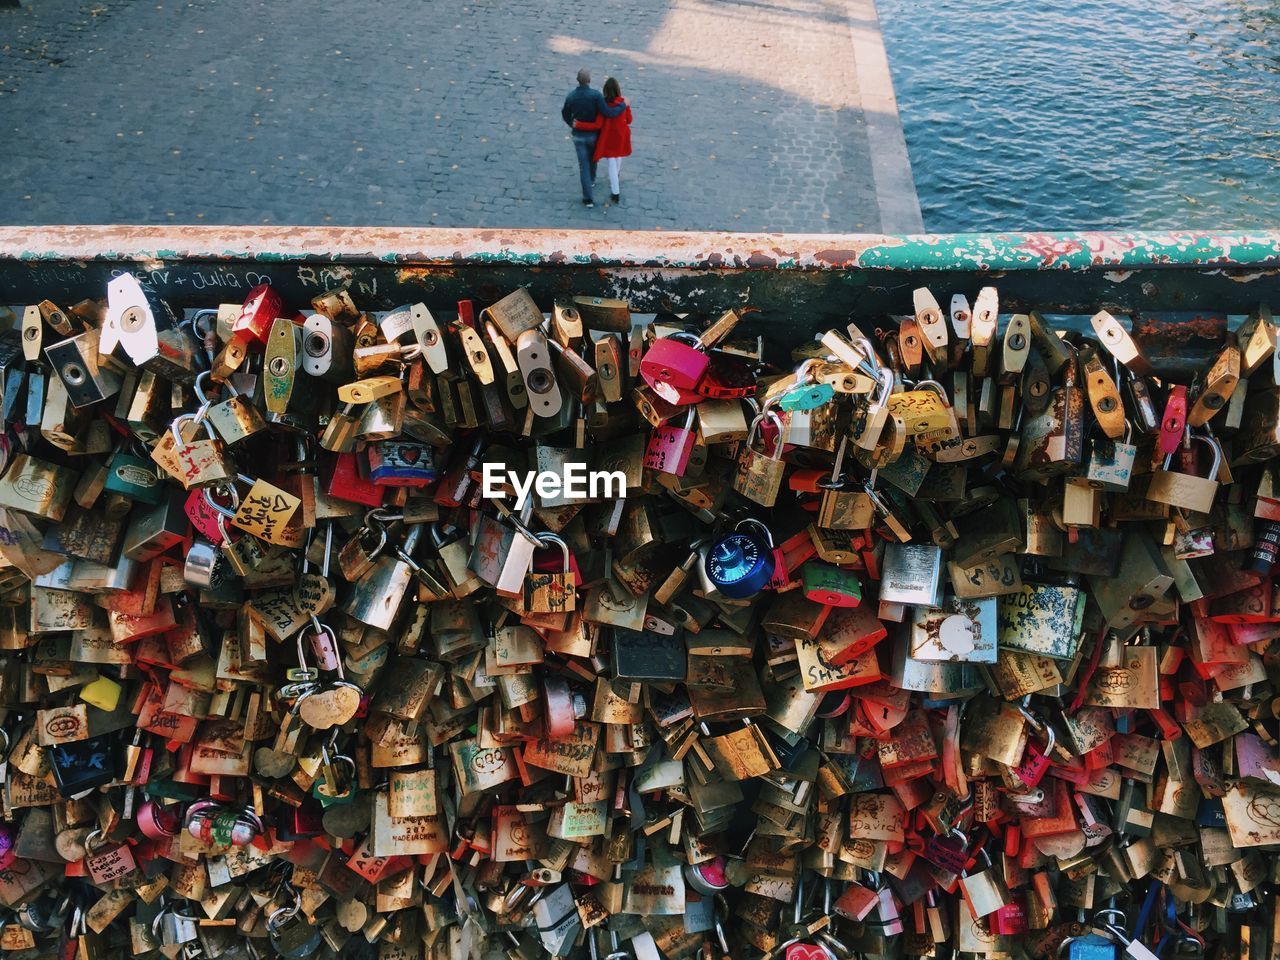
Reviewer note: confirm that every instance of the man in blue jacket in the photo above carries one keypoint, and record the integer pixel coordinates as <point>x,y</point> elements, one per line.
<point>583,103</point>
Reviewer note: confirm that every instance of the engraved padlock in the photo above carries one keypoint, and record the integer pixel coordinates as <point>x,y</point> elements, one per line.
<point>1185,490</point>
<point>759,476</point>
<point>669,447</point>
<point>554,591</point>
<point>845,504</point>
<point>191,461</point>
<point>925,409</point>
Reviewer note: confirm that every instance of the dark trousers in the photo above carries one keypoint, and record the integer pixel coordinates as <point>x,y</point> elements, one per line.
<point>584,142</point>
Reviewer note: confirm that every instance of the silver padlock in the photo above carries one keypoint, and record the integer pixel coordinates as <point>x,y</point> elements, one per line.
<point>376,598</point>
<point>76,362</point>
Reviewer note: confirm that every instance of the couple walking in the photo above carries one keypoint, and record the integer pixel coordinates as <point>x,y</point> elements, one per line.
<point>601,131</point>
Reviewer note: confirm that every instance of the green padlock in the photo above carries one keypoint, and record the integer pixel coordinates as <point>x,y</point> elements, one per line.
<point>337,781</point>
<point>134,478</point>
<point>830,585</point>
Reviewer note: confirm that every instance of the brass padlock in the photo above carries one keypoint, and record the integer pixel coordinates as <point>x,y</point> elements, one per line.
<point>551,592</point>
<point>759,475</point>
<point>925,409</point>
<point>843,505</point>
<point>1185,490</point>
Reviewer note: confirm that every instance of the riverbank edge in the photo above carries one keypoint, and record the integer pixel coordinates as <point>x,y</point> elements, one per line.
<point>896,198</point>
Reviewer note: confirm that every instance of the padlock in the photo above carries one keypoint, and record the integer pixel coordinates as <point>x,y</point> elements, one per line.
<point>983,892</point>
<point>669,447</point>
<point>740,564</point>
<point>1211,393</point>
<point>1037,759</point>
<point>912,574</point>
<point>191,461</point>
<point>234,419</point>
<point>107,862</point>
<point>326,349</point>
<point>844,505</point>
<point>954,630</point>
<point>133,477</point>
<point>75,360</point>
<point>551,592</point>
<point>501,553</point>
<point>37,487</point>
<point>802,391</point>
<point>205,566</point>
<point>870,421</point>
<point>1104,394</point>
<point>383,419</point>
<point>830,585</point>
<point>759,476</point>
<point>924,409</point>
<point>674,366</point>
<point>1052,443</point>
<point>1184,490</point>
<point>343,429</point>
<point>1111,462</point>
<point>291,935</point>
<point>172,931</point>
<point>398,463</point>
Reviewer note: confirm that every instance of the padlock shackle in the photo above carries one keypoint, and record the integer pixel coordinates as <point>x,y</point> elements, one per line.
<point>203,378</point>
<point>837,479</point>
<point>754,429</point>
<point>685,337</point>
<point>1214,447</point>
<point>765,532</point>
<point>887,382</point>
<point>547,540</point>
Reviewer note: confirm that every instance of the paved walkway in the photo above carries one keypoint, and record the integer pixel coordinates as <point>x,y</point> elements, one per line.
<point>748,113</point>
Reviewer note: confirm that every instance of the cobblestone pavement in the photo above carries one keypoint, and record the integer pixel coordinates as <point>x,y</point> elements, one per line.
<point>404,112</point>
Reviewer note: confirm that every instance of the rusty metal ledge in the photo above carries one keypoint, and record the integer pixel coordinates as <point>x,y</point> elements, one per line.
<point>969,252</point>
<point>799,283</point>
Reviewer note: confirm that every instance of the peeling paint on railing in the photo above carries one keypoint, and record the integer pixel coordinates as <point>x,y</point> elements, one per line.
<point>800,283</point>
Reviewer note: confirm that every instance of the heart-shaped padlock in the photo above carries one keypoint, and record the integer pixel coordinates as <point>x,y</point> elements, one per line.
<point>331,707</point>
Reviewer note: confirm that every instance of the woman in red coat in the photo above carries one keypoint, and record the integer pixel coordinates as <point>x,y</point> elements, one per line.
<point>614,141</point>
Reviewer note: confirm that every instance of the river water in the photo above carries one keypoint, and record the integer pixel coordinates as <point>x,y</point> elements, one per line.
<point>1117,115</point>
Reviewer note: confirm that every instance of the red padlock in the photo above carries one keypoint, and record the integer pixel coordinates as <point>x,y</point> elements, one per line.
<point>674,366</point>
<point>670,447</point>
<point>1035,760</point>
<point>851,632</point>
<point>1174,422</point>
<point>340,477</point>
<point>550,561</point>
<point>1011,919</point>
<point>260,310</point>
<point>728,377</point>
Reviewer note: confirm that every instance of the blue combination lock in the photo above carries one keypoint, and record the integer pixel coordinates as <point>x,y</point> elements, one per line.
<point>739,564</point>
